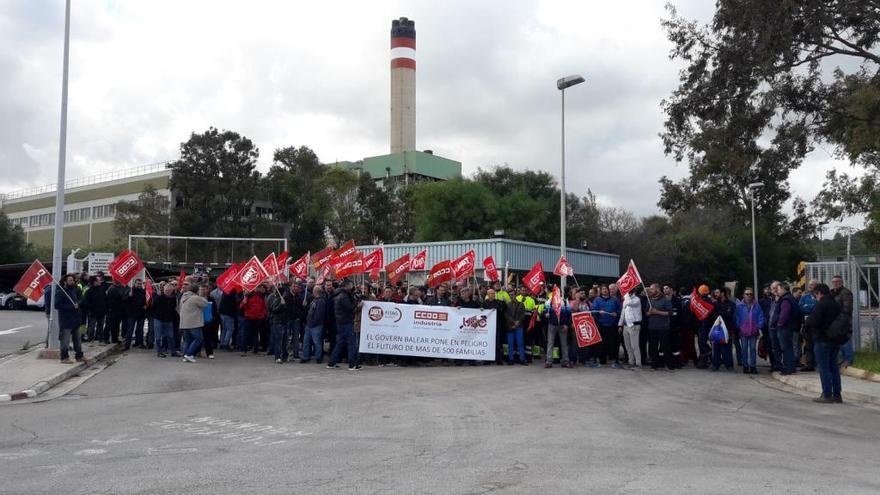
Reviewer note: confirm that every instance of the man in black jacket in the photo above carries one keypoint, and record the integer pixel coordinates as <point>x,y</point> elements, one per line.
<point>344,306</point>
<point>96,306</point>
<point>117,295</point>
<point>314,335</point>
<point>821,318</point>
<point>135,312</point>
<point>67,304</point>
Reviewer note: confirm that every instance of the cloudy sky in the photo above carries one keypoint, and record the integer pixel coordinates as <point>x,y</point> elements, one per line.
<point>144,75</point>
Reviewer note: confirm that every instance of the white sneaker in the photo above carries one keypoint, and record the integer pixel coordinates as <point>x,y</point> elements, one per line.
<point>278,361</point>
<point>189,359</point>
<point>211,356</point>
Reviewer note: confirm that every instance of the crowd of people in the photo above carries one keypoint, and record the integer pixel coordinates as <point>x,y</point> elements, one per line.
<point>301,322</point>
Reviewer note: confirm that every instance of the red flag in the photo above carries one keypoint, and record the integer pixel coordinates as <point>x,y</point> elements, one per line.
<point>34,281</point>
<point>490,272</point>
<point>270,264</point>
<point>300,267</point>
<point>251,274</point>
<point>563,268</point>
<point>629,280</point>
<point>343,252</point>
<point>181,279</point>
<point>373,262</point>
<point>282,261</point>
<point>226,280</point>
<point>535,278</point>
<point>397,268</point>
<point>532,321</point>
<point>420,262</point>
<point>463,266</point>
<point>125,267</point>
<point>700,307</point>
<point>322,257</point>
<point>325,273</point>
<point>441,272</point>
<point>585,329</point>
<point>351,265</point>
<point>148,288</point>
<point>556,303</point>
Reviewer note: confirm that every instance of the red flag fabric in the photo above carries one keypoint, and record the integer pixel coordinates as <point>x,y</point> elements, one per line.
<point>351,265</point>
<point>490,272</point>
<point>324,275</point>
<point>270,264</point>
<point>181,279</point>
<point>281,259</point>
<point>534,280</point>
<point>125,267</point>
<point>343,252</point>
<point>440,273</point>
<point>420,262</point>
<point>463,266</point>
<point>397,268</point>
<point>34,281</point>
<point>251,274</point>
<point>629,280</point>
<point>226,280</point>
<point>700,307</point>
<point>148,288</point>
<point>373,263</point>
<point>300,267</point>
<point>585,329</point>
<point>556,303</point>
<point>321,258</point>
<point>563,268</point>
<point>532,321</point>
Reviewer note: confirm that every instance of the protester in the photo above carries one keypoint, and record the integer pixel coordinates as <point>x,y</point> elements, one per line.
<point>767,305</point>
<point>164,307</point>
<point>784,322</point>
<point>749,321</point>
<point>228,309</point>
<point>557,326</point>
<point>135,313</point>
<point>631,323</point>
<point>296,313</point>
<point>514,312</point>
<point>703,332</point>
<point>608,311</point>
<point>806,303</point>
<point>466,299</point>
<point>844,299</point>
<point>96,305</point>
<point>254,306</point>
<point>344,306</point>
<point>675,322</point>
<point>821,318</point>
<point>117,295</point>
<point>212,321</point>
<point>492,302</point>
<point>67,304</point>
<point>659,313</point>
<point>192,320</point>
<point>314,336</point>
<point>278,314</point>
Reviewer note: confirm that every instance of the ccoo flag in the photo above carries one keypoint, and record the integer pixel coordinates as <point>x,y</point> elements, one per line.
<point>34,281</point>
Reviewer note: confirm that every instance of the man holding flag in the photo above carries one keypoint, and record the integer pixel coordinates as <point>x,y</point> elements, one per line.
<point>67,304</point>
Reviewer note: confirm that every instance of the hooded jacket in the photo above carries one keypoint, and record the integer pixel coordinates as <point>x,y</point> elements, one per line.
<point>191,308</point>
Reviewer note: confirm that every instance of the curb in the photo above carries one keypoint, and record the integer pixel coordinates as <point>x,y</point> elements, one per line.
<point>45,385</point>
<point>860,373</point>
<point>816,388</point>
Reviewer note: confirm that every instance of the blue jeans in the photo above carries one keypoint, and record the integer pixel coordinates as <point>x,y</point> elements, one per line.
<point>784,350</point>
<point>134,326</point>
<point>345,337</point>
<point>193,341</point>
<point>849,354</point>
<point>164,331</point>
<point>829,373</point>
<point>749,351</point>
<point>517,335</point>
<point>796,346</point>
<point>247,335</point>
<point>279,340</point>
<point>293,328</point>
<point>722,352</point>
<point>314,337</point>
<point>228,324</point>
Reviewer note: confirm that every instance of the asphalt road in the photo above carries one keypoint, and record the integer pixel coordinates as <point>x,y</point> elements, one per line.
<point>21,327</point>
<point>246,425</point>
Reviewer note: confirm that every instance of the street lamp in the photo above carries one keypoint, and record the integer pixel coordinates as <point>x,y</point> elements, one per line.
<point>752,187</point>
<point>561,85</point>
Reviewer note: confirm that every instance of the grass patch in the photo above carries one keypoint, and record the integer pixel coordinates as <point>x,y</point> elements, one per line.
<point>869,361</point>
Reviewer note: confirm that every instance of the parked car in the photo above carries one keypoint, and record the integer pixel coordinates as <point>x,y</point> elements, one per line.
<point>11,300</point>
<point>40,304</point>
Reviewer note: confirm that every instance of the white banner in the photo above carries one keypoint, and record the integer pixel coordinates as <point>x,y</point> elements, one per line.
<point>427,331</point>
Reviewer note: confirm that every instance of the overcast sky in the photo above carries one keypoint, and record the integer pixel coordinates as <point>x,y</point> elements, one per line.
<point>144,75</point>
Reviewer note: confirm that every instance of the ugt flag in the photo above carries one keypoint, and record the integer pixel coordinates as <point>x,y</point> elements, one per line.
<point>490,271</point>
<point>125,267</point>
<point>585,329</point>
<point>398,268</point>
<point>226,280</point>
<point>270,264</point>
<point>441,272</point>
<point>534,280</point>
<point>700,307</point>
<point>629,280</point>
<point>463,266</point>
<point>563,268</point>
<point>420,261</point>
<point>300,267</point>
<point>34,281</point>
<point>373,263</point>
<point>251,274</point>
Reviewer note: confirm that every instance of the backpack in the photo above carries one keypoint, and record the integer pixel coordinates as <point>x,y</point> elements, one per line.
<point>840,330</point>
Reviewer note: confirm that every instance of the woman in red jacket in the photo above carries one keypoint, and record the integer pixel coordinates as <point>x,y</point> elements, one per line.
<point>254,306</point>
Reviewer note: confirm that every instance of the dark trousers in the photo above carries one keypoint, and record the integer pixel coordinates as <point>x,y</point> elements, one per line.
<point>265,335</point>
<point>675,345</point>
<point>659,342</point>
<point>782,338</point>
<point>829,372</point>
<point>809,350</point>
<point>96,327</point>
<point>768,346</point>
<point>610,344</point>
<point>64,337</point>
<point>703,345</point>
<point>345,339</point>
<point>209,333</point>
<point>722,352</point>
<point>134,327</point>
<point>247,335</point>
<point>734,336</point>
<point>643,345</point>
<point>114,323</point>
<point>688,352</point>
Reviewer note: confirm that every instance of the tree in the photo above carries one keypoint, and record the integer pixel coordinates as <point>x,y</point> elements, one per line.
<point>754,97</point>
<point>453,210</point>
<point>13,246</point>
<point>149,215</point>
<point>295,182</point>
<point>215,184</point>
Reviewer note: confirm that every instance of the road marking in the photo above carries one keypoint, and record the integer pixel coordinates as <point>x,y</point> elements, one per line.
<point>19,455</point>
<point>167,450</point>
<point>113,440</point>
<point>90,452</point>
<point>13,330</point>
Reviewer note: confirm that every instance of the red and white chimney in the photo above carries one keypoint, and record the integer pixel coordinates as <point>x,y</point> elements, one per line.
<point>403,85</point>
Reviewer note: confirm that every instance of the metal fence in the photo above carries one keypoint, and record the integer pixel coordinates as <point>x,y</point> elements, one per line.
<point>862,279</point>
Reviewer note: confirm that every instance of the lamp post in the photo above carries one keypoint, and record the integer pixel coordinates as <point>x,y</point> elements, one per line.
<point>561,85</point>
<point>752,187</point>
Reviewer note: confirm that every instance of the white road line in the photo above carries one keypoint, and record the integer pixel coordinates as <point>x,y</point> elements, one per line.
<point>13,330</point>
